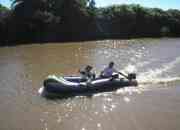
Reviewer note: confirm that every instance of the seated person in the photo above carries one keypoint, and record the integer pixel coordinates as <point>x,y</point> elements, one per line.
<point>108,71</point>
<point>86,74</point>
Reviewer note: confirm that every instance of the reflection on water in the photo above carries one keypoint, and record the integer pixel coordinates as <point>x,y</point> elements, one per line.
<point>154,104</point>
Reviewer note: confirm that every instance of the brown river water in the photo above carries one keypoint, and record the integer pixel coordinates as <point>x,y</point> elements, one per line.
<point>153,105</point>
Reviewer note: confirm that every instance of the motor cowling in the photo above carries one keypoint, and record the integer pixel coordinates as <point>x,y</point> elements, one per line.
<point>131,76</point>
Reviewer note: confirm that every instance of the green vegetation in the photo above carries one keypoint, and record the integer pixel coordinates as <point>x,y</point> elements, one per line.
<point>66,20</point>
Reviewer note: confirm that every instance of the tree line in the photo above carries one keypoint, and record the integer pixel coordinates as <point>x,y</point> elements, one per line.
<point>30,21</point>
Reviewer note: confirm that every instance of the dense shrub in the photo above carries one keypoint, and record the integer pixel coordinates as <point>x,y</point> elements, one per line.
<point>64,20</point>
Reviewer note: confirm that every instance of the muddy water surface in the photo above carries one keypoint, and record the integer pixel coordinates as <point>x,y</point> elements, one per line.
<point>153,105</point>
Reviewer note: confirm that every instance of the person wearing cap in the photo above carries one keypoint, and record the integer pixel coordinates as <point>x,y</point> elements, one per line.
<point>108,71</point>
<point>87,74</point>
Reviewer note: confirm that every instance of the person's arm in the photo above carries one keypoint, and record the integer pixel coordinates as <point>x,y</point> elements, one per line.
<point>81,72</point>
<point>102,72</point>
<point>93,75</point>
<point>114,70</point>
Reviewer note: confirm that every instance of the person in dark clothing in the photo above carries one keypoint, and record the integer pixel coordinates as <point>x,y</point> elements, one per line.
<point>87,73</point>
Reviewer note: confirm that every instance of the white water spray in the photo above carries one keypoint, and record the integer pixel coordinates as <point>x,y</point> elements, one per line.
<point>154,75</point>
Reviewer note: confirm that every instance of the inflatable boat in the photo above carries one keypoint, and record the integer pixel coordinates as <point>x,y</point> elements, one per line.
<point>75,85</point>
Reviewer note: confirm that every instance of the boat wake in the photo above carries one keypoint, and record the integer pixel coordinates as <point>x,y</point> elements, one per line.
<point>158,80</point>
<point>41,89</point>
<point>157,75</point>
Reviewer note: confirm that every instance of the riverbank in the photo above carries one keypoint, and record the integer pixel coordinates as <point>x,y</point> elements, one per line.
<point>76,21</point>
<point>82,41</point>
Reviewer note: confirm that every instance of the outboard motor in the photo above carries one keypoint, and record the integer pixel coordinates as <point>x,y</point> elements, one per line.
<point>131,76</point>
